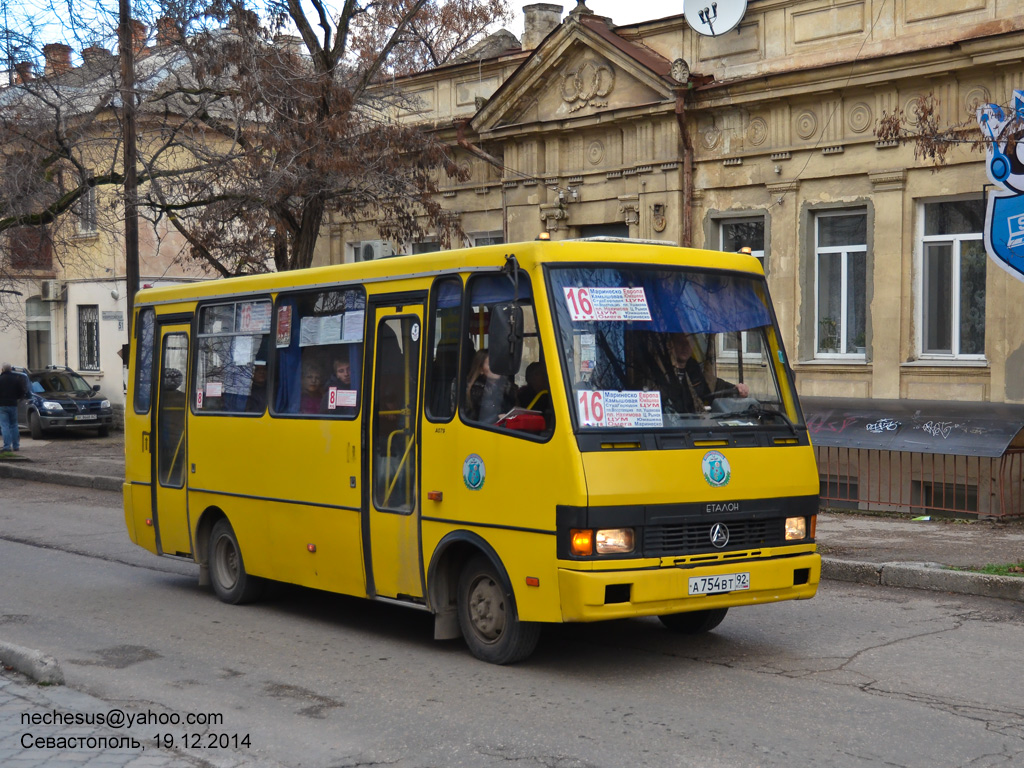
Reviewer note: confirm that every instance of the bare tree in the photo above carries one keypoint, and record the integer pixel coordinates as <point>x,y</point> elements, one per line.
<point>248,132</point>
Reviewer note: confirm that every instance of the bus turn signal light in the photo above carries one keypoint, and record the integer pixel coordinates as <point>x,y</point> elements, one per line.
<point>582,541</point>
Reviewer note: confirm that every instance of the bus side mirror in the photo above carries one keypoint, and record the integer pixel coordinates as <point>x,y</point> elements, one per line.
<point>505,339</point>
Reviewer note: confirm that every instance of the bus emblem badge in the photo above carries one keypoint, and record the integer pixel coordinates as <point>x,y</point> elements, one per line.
<point>716,469</point>
<point>719,535</point>
<point>473,472</point>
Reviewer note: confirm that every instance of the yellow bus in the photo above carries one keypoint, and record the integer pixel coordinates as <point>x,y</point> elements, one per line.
<point>505,436</point>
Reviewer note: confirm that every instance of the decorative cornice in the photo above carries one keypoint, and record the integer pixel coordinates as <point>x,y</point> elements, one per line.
<point>883,181</point>
<point>779,187</point>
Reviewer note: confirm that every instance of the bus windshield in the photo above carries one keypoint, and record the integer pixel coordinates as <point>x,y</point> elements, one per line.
<point>669,348</point>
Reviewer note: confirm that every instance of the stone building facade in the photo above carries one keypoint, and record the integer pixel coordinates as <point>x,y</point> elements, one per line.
<point>762,137</point>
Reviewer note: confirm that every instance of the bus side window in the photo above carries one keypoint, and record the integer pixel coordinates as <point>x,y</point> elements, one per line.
<point>443,367</point>
<point>319,353</point>
<point>144,360</point>
<point>494,401</point>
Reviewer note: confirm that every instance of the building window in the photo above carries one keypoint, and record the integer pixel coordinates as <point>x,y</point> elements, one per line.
<point>953,280</point>
<point>735,234</point>
<point>426,246</point>
<point>488,238</point>
<point>86,210</point>
<point>89,337</point>
<point>841,283</point>
<point>37,318</point>
<point>30,248</point>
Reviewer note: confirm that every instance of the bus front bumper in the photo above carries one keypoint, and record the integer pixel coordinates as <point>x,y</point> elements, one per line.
<point>600,595</point>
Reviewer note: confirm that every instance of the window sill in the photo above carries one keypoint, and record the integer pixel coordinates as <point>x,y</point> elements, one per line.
<point>835,361</point>
<point>939,362</point>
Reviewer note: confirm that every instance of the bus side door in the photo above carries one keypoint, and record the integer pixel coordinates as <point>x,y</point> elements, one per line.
<point>392,527</point>
<point>170,455</point>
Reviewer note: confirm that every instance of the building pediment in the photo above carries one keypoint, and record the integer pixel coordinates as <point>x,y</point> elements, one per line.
<point>580,70</point>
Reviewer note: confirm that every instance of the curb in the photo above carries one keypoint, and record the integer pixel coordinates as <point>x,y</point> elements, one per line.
<point>35,664</point>
<point>16,472</point>
<point>930,576</point>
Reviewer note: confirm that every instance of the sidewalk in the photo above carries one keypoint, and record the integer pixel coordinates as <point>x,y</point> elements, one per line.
<point>869,549</point>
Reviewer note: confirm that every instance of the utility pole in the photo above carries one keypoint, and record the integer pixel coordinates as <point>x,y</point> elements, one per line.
<point>126,44</point>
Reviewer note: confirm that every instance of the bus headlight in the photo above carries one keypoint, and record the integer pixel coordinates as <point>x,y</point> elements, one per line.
<point>614,541</point>
<point>796,528</point>
<point>584,542</point>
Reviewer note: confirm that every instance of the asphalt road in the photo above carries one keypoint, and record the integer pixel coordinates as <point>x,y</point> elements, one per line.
<point>859,676</point>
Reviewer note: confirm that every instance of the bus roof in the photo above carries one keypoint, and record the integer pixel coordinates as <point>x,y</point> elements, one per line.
<point>480,258</point>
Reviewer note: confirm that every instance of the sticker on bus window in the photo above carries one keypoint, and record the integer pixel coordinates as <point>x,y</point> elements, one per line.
<point>341,398</point>
<point>626,410</point>
<point>214,389</point>
<point>284,326</point>
<point>199,399</point>
<point>607,304</point>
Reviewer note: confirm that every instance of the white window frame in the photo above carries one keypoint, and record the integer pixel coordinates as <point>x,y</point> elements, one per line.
<point>844,251</point>
<point>88,223</point>
<point>956,241</point>
<point>725,352</point>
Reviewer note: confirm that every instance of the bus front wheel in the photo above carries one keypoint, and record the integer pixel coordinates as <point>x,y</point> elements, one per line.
<point>694,622</point>
<point>488,618</point>
<point>227,571</point>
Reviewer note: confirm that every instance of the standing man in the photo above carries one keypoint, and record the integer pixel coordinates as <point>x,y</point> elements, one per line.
<point>13,387</point>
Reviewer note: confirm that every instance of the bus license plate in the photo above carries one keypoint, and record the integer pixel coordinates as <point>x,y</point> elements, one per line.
<point>85,417</point>
<point>715,585</point>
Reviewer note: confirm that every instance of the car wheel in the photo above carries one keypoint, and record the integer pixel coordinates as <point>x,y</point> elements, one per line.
<point>227,570</point>
<point>694,622</point>
<point>488,617</point>
<point>35,428</point>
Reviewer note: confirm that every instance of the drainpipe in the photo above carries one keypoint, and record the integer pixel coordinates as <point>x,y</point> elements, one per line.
<point>467,145</point>
<point>684,134</point>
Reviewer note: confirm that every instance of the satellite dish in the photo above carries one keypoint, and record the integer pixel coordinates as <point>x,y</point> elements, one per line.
<point>714,18</point>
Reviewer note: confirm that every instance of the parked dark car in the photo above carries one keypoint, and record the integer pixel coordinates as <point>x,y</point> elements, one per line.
<point>59,400</point>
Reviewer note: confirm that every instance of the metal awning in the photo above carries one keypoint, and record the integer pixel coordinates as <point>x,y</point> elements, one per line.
<point>917,426</point>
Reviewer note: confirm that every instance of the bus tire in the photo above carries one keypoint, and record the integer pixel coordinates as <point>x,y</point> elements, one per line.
<point>488,617</point>
<point>227,570</point>
<point>694,622</point>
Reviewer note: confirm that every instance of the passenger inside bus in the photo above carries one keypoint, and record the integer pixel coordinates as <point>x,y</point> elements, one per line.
<point>312,387</point>
<point>488,394</point>
<point>339,382</point>
<point>534,395</point>
<point>257,400</point>
<point>682,380</point>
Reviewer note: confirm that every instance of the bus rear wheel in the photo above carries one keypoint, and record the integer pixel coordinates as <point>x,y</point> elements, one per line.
<point>488,617</point>
<point>227,570</point>
<point>694,622</point>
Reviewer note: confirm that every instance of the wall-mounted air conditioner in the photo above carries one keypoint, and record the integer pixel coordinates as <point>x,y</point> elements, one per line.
<point>51,290</point>
<point>368,250</point>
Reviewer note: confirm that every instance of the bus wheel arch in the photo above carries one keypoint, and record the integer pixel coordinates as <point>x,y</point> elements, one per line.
<point>471,595</point>
<point>201,546</point>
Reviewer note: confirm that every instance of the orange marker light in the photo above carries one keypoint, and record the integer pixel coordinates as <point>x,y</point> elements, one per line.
<point>582,541</point>
<point>435,495</point>
<point>149,521</point>
<point>311,547</point>
<point>532,581</point>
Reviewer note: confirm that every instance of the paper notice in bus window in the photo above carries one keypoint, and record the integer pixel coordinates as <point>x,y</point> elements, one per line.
<point>341,398</point>
<point>309,331</point>
<point>625,410</point>
<point>214,389</point>
<point>352,329</point>
<point>284,326</point>
<point>330,329</point>
<point>587,304</point>
<point>254,317</point>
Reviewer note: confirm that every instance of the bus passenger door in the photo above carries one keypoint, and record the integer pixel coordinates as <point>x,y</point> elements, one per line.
<point>394,568</point>
<point>170,459</point>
